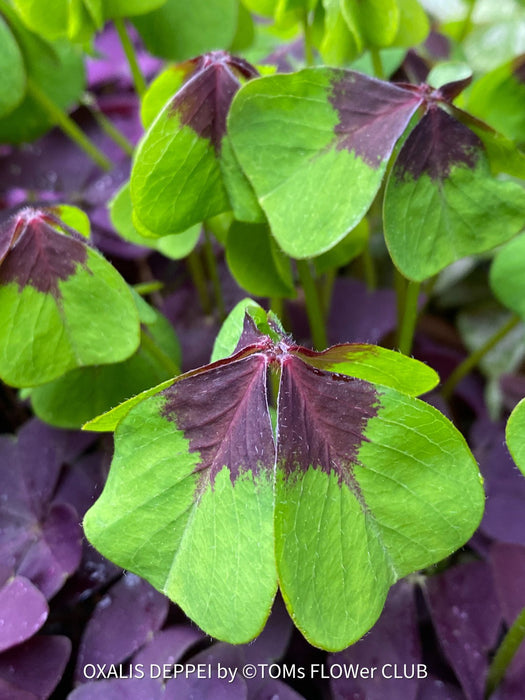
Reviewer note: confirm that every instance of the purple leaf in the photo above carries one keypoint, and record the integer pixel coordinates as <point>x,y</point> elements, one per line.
<point>168,645</point>
<point>504,517</point>
<point>38,255</point>
<point>204,100</point>
<point>438,45</point>
<point>57,553</point>
<point>444,359</point>
<point>94,573</point>
<point>508,570</point>
<point>359,315</point>
<point>466,624</point>
<point>32,670</point>
<point>513,389</point>
<point>124,619</point>
<point>221,681</point>
<point>274,690</point>
<point>434,689</point>
<point>437,143</point>
<point>394,640</point>
<point>42,544</point>
<point>39,538</point>
<point>450,91</point>
<point>371,130</point>
<point>110,64</point>
<point>31,465</point>
<point>273,641</point>
<point>120,689</point>
<point>23,611</point>
<point>82,481</point>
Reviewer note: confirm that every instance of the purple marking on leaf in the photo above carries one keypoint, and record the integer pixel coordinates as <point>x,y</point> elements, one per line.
<point>372,115</point>
<point>518,68</point>
<point>32,670</point>
<point>221,409</point>
<point>467,625</point>
<point>204,101</point>
<point>437,144</point>
<point>124,619</point>
<point>23,611</point>
<point>250,335</point>
<point>394,639</point>
<point>322,420</point>
<point>451,90</point>
<point>39,255</point>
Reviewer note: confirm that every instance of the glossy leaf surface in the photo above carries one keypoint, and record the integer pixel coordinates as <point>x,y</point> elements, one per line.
<point>507,275</point>
<point>515,435</point>
<point>130,8</point>
<point>58,299</point>
<point>371,484</point>
<point>56,69</point>
<point>91,391</point>
<point>75,20</point>
<point>179,30</point>
<point>340,493</point>
<point>176,178</point>
<point>293,132</point>
<point>441,201</point>
<point>499,98</point>
<point>12,68</point>
<point>175,246</point>
<point>256,262</point>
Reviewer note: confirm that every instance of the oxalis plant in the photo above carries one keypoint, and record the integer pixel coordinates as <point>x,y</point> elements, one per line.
<point>274,151</point>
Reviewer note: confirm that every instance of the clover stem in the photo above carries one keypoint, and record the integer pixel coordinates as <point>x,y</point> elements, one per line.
<point>327,288</point>
<point>198,277</point>
<point>308,42</point>
<point>409,321</point>
<point>313,305</point>
<point>377,63</point>
<point>107,125</point>
<point>131,56</point>
<point>465,27</point>
<point>68,126</point>
<point>475,357</point>
<point>369,268</point>
<point>213,273</point>
<point>506,652</point>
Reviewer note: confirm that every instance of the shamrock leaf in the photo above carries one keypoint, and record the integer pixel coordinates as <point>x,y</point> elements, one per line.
<point>361,484</point>
<point>58,300</point>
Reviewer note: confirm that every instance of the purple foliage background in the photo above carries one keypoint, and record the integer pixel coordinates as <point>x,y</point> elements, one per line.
<point>65,609</point>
